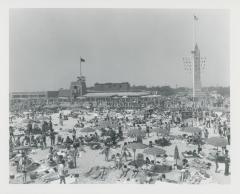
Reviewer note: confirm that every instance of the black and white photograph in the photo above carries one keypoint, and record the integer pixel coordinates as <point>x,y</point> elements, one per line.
<point>119,96</point>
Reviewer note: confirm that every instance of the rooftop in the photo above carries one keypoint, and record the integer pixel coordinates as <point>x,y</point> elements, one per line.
<point>120,94</point>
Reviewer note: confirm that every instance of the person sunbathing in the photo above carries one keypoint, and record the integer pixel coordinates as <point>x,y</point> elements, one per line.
<point>147,161</point>
<point>125,171</point>
<point>51,161</point>
<point>149,179</point>
<point>192,154</point>
<point>118,161</point>
<point>135,171</point>
<point>101,172</point>
<point>92,170</point>
<point>68,140</point>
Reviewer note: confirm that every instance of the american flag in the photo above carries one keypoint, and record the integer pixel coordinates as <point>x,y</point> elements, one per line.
<point>195,18</point>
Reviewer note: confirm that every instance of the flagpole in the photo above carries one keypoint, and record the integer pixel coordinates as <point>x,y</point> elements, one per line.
<point>193,65</point>
<point>80,67</point>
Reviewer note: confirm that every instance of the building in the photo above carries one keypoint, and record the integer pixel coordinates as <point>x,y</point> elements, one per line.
<point>112,87</point>
<point>78,88</point>
<point>33,95</point>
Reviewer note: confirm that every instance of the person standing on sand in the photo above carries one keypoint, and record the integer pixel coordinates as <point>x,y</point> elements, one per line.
<point>106,151</point>
<point>75,154</point>
<point>44,140</point>
<point>147,130</point>
<point>216,162</point>
<point>125,151</point>
<point>74,134</point>
<point>60,119</point>
<point>11,133</point>
<point>61,171</point>
<point>227,162</point>
<point>22,165</point>
<point>228,135</point>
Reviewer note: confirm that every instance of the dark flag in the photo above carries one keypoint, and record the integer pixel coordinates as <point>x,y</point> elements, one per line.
<point>196,18</point>
<point>82,60</point>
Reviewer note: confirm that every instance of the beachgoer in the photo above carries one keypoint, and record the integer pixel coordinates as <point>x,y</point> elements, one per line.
<point>227,162</point>
<point>52,137</point>
<point>125,151</point>
<point>11,130</point>
<point>148,130</point>
<point>44,141</point>
<point>50,126</point>
<point>147,161</point>
<point>61,172</point>
<point>125,170</point>
<point>74,134</point>
<point>199,149</point>
<point>118,161</point>
<point>106,152</point>
<point>206,133</point>
<point>22,165</point>
<point>75,155</point>
<point>228,135</point>
<point>216,162</point>
<point>150,144</point>
<point>135,171</point>
<point>60,119</point>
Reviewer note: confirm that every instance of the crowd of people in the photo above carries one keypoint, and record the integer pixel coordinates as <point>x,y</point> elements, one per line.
<point>112,132</point>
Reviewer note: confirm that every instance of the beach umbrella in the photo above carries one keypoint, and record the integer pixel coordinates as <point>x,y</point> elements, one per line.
<point>104,124</point>
<point>161,131</point>
<point>43,118</point>
<point>136,133</point>
<point>22,148</point>
<point>27,121</point>
<point>51,106</point>
<point>176,154</point>
<point>154,151</point>
<point>217,141</point>
<point>88,130</point>
<point>135,146</point>
<point>191,130</point>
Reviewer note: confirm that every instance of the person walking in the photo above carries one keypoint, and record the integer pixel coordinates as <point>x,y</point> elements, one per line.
<point>44,141</point>
<point>125,151</point>
<point>11,133</point>
<point>22,165</point>
<point>75,154</point>
<point>216,162</point>
<point>61,171</point>
<point>227,162</point>
<point>52,137</point>
<point>147,130</point>
<point>106,152</point>
<point>60,119</point>
<point>206,133</point>
<point>228,135</point>
<point>74,134</point>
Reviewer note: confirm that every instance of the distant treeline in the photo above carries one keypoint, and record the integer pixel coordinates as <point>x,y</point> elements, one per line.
<point>168,91</point>
<point>163,90</point>
<point>224,91</point>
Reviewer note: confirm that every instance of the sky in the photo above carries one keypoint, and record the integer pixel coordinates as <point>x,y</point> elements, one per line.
<point>139,46</point>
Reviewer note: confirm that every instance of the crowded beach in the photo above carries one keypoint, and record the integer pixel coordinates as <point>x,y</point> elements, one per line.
<point>179,141</point>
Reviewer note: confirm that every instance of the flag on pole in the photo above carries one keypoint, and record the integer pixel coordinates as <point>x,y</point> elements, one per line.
<point>195,18</point>
<point>82,60</point>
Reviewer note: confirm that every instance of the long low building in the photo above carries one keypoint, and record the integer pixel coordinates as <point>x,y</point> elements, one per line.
<point>115,94</point>
<point>34,95</point>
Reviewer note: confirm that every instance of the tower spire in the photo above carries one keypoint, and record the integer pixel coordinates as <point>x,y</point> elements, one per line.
<point>195,20</point>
